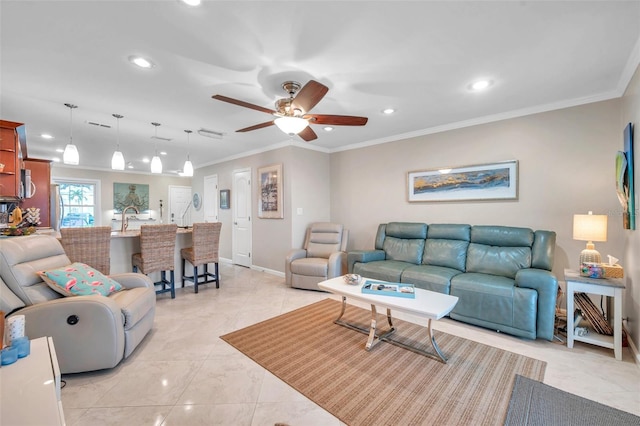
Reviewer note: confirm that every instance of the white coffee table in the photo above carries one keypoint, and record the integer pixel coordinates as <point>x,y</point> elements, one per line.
<point>427,304</point>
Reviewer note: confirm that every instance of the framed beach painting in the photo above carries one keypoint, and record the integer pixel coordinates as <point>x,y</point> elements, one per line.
<point>496,181</point>
<point>270,201</point>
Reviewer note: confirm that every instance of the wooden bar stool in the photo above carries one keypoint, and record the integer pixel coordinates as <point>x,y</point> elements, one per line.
<point>206,240</point>
<point>88,245</point>
<point>157,247</point>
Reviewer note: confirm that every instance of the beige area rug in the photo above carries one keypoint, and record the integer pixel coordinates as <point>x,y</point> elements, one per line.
<point>388,385</point>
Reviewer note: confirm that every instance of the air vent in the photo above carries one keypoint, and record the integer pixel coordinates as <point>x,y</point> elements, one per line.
<point>210,133</point>
<point>161,138</point>
<point>93,123</point>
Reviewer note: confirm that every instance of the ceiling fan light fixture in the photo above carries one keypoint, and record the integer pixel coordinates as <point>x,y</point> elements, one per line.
<point>291,125</point>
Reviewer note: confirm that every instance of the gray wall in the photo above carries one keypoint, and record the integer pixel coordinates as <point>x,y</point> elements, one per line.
<point>306,185</point>
<point>631,241</point>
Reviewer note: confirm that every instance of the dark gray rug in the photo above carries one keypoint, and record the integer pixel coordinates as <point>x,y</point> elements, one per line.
<point>534,403</point>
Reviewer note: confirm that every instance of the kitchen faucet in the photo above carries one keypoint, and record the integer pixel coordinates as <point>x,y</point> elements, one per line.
<point>125,223</point>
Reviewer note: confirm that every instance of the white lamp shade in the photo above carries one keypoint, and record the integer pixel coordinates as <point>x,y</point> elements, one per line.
<point>291,125</point>
<point>117,161</point>
<point>156,164</point>
<point>590,227</point>
<point>71,155</point>
<point>187,170</point>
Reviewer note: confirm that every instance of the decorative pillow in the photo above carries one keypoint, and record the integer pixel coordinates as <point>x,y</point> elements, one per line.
<point>79,279</point>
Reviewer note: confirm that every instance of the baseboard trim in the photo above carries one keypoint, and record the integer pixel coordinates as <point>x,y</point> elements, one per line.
<point>633,347</point>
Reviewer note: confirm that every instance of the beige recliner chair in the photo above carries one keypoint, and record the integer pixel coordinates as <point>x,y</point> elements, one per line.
<point>89,332</point>
<point>323,256</point>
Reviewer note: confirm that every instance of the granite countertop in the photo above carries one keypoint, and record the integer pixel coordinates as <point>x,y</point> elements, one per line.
<point>136,233</point>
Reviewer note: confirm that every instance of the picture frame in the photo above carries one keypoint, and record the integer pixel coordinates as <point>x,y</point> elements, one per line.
<point>225,198</point>
<point>494,181</point>
<point>130,194</point>
<point>270,196</point>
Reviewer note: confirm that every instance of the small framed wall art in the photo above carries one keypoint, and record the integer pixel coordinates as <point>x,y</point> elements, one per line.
<point>270,201</point>
<point>496,181</point>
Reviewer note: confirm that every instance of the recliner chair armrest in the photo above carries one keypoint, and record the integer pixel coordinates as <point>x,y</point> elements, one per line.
<point>291,256</point>
<point>546,284</point>
<point>88,331</point>
<point>337,264</point>
<point>364,256</point>
<point>132,280</point>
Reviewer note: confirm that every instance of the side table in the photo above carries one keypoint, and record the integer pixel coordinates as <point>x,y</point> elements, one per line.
<point>30,388</point>
<point>609,287</point>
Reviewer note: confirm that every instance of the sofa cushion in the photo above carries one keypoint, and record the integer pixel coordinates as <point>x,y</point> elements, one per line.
<point>310,266</point>
<point>386,270</point>
<point>505,236</point>
<point>429,277</point>
<point>503,261</point>
<point>404,250</point>
<point>79,279</point>
<point>446,253</point>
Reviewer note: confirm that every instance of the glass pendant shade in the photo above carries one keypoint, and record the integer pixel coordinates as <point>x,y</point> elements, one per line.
<point>156,164</point>
<point>187,170</point>
<point>71,155</point>
<point>117,161</point>
<point>291,125</point>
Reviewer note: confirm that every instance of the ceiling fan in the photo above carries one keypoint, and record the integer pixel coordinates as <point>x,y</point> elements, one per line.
<point>292,113</point>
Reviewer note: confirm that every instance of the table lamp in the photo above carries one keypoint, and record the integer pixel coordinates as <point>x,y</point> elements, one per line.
<point>590,227</point>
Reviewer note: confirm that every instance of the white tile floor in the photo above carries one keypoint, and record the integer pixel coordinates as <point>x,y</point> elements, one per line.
<point>184,374</point>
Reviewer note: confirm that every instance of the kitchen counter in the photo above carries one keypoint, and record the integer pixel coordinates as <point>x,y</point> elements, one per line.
<point>134,233</point>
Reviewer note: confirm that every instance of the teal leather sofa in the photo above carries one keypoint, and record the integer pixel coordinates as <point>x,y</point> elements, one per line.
<point>501,275</point>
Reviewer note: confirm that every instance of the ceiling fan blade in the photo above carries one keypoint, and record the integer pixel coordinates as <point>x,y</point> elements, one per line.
<point>243,104</point>
<point>309,96</point>
<point>337,120</point>
<point>308,134</point>
<point>256,127</point>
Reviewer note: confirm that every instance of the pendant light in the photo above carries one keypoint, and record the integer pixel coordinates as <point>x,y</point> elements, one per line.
<point>71,155</point>
<point>187,170</point>
<point>117,161</point>
<point>156,163</point>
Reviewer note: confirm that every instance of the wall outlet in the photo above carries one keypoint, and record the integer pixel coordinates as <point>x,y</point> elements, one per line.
<point>299,211</point>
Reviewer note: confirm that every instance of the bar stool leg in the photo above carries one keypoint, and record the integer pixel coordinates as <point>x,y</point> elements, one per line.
<point>217,276</point>
<point>195,277</point>
<point>183,277</point>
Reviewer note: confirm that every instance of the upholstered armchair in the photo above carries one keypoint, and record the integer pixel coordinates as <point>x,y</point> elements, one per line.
<point>323,256</point>
<point>89,332</point>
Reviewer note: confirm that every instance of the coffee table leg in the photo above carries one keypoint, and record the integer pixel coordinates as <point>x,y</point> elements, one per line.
<point>435,345</point>
<point>371,341</point>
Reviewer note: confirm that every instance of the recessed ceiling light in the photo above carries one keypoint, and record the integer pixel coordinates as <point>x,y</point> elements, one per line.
<point>129,165</point>
<point>145,160</point>
<point>328,128</point>
<point>480,85</point>
<point>59,150</point>
<point>141,62</point>
<point>388,111</point>
<point>163,153</point>
<point>191,2</point>
<point>46,136</point>
<point>55,159</point>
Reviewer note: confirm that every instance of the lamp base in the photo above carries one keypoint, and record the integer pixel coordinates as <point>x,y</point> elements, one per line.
<point>590,256</point>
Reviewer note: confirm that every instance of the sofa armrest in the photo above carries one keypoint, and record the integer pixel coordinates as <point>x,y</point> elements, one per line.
<point>88,331</point>
<point>337,264</point>
<point>546,284</point>
<point>132,280</point>
<point>363,256</point>
<point>291,256</point>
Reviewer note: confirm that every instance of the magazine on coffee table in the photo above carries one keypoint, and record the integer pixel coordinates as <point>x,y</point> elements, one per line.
<point>384,288</point>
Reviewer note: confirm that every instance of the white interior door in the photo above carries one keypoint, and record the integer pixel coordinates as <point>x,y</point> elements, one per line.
<point>241,211</point>
<point>180,205</point>
<point>210,198</point>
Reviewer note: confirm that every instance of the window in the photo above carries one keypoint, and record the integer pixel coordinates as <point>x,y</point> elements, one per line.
<point>79,202</point>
